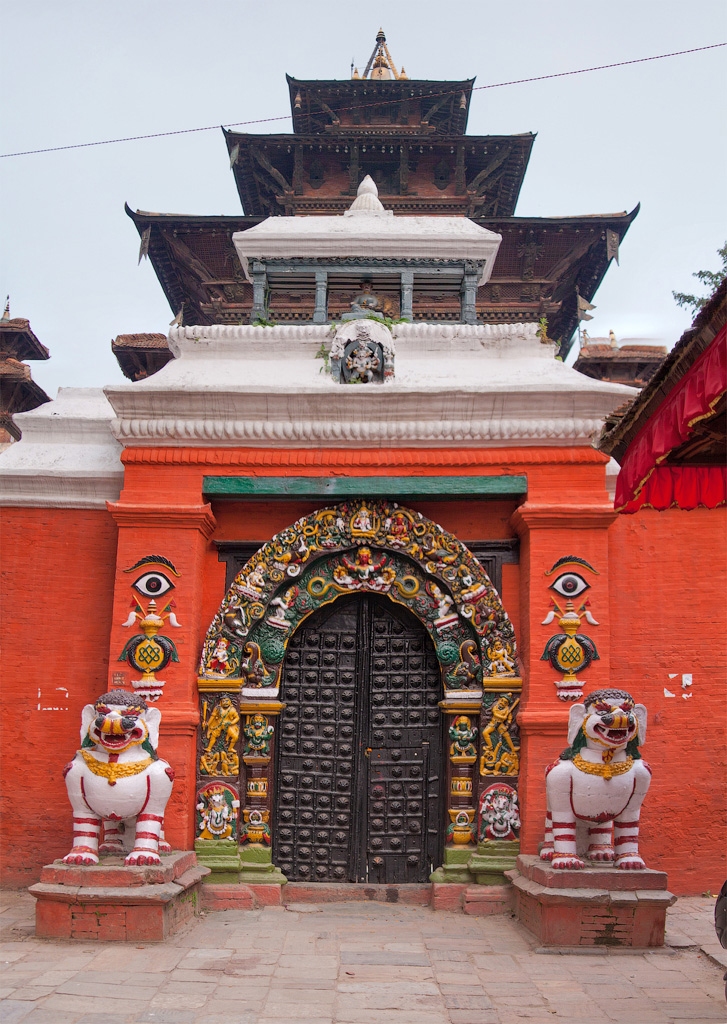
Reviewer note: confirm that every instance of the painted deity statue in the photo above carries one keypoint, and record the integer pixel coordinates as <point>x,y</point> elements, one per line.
<point>598,780</point>
<point>117,777</point>
<point>364,302</point>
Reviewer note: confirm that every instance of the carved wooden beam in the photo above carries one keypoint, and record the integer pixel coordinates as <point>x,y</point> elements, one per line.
<point>272,171</point>
<point>490,168</point>
<point>335,119</point>
<point>435,107</point>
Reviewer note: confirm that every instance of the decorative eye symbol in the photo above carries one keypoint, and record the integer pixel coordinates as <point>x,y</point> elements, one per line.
<point>570,584</point>
<point>153,584</point>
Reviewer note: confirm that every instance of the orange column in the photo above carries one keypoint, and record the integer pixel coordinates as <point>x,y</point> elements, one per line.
<point>180,534</point>
<point>548,533</point>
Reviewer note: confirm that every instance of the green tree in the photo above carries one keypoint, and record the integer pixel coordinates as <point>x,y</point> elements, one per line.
<point>712,279</point>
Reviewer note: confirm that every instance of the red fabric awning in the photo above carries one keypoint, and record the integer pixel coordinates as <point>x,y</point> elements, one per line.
<point>643,480</point>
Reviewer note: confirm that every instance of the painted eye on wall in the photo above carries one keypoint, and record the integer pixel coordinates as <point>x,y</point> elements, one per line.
<point>153,584</point>
<point>570,584</point>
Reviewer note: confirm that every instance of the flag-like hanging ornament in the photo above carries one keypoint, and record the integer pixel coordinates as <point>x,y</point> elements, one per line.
<point>144,247</point>
<point>612,243</point>
<point>583,306</point>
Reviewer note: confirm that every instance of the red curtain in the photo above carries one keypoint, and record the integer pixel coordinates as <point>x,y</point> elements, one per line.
<point>642,480</point>
<point>684,487</point>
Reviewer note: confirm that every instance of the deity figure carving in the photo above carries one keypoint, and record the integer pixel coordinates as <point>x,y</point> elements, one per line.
<point>500,661</point>
<point>462,734</point>
<point>499,814</point>
<point>217,806</point>
<point>598,780</point>
<point>223,660</point>
<point>444,605</point>
<point>117,777</point>
<point>222,731</point>
<point>282,609</point>
<point>258,733</point>
<point>365,572</point>
<point>362,352</point>
<point>363,303</point>
<point>500,755</point>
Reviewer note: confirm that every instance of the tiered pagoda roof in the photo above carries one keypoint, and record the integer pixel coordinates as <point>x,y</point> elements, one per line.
<point>18,390</point>
<point>409,136</point>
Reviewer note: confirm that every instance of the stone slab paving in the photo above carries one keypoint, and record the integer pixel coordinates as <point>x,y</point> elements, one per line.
<point>357,963</point>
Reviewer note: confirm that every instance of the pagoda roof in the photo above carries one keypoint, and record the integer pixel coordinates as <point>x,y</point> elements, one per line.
<point>140,355</point>
<point>17,338</point>
<point>264,168</point>
<point>317,105</point>
<point>196,263</point>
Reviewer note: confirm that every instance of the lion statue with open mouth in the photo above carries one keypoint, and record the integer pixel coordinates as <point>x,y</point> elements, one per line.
<point>600,780</point>
<point>117,779</point>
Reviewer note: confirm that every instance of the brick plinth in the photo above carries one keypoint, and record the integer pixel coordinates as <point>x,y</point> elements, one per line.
<point>111,902</point>
<point>240,897</point>
<point>591,907</point>
<point>483,900</point>
<point>342,892</point>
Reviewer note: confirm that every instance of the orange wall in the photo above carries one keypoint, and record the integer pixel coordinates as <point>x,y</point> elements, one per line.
<point>659,601</point>
<point>55,611</point>
<point>669,617</point>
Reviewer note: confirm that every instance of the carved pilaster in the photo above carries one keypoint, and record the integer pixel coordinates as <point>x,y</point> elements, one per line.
<point>259,285</point>
<point>320,314</point>
<point>407,294</point>
<point>469,295</point>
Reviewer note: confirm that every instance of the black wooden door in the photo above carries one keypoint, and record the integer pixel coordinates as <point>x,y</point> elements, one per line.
<point>359,775</point>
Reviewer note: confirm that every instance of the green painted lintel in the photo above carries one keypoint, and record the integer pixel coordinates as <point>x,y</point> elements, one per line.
<point>340,487</point>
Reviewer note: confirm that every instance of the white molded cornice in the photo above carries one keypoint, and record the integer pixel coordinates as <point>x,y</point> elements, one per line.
<point>67,456</point>
<point>454,384</point>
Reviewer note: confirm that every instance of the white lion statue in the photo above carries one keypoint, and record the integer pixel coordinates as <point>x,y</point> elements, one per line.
<point>116,779</point>
<point>599,780</point>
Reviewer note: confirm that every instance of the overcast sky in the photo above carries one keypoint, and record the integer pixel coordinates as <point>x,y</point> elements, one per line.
<point>82,71</point>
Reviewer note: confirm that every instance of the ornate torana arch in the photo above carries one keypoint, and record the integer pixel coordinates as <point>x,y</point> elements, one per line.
<point>373,547</point>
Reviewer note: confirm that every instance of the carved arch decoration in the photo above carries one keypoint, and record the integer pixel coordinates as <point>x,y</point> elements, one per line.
<point>360,546</point>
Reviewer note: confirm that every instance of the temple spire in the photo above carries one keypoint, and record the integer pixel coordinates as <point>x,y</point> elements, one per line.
<point>380,65</point>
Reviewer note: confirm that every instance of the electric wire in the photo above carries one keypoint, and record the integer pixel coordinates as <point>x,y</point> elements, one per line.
<point>361,106</point>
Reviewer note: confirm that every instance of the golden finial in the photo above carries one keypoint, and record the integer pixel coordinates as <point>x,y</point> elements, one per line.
<point>355,73</point>
<point>380,63</point>
<point>6,314</point>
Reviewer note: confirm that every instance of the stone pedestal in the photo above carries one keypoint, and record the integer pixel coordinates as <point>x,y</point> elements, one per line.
<point>257,868</point>
<point>492,859</point>
<point>222,857</point>
<point>596,906</point>
<point>112,902</point>
<point>454,867</point>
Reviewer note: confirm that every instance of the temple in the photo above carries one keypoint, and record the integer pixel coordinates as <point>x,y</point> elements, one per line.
<point>347,529</point>
<point>409,136</point>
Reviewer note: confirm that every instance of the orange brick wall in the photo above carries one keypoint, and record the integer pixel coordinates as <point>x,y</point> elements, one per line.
<point>669,617</point>
<point>659,601</point>
<point>55,611</point>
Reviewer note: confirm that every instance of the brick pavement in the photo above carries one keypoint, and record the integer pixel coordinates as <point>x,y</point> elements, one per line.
<point>356,963</point>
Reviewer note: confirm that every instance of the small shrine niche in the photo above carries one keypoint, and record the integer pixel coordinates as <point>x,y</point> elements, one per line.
<point>362,353</point>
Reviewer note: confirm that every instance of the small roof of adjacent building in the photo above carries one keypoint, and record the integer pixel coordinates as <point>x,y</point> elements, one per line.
<point>671,440</point>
